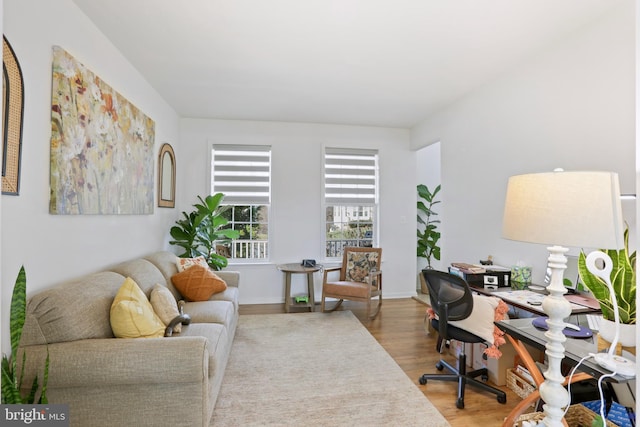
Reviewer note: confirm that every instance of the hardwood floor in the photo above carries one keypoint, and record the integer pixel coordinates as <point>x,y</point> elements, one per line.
<point>399,328</point>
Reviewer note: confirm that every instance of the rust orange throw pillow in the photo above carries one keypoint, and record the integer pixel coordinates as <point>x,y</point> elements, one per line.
<point>198,283</point>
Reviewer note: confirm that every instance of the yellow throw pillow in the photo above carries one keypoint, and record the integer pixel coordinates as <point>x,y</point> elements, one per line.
<point>198,283</point>
<point>132,315</point>
<point>165,306</point>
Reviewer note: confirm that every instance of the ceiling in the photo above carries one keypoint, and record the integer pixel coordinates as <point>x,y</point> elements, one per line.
<point>358,62</point>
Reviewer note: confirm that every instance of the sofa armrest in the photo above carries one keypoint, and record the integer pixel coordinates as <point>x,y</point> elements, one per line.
<point>232,278</point>
<point>119,361</point>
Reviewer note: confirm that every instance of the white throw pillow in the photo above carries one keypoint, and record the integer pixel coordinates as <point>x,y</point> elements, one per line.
<point>480,322</point>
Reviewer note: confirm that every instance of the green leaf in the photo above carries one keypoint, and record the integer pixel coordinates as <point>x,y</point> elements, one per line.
<point>18,309</point>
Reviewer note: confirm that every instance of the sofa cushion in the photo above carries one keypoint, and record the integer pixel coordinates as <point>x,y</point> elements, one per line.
<point>231,294</point>
<point>142,271</point>
<point>222,312</point>
<point>52,314</point>
<point>218,343</point>
<point>132,315</point>
<point>165,306</point>
<point>198,283</point>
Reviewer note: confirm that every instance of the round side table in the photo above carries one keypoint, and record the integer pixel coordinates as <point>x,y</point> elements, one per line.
<point>296,268</point>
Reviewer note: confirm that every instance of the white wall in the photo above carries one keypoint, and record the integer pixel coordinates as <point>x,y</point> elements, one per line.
<point>572,106</point>
<point>296,218</point>
<point>56,247</point>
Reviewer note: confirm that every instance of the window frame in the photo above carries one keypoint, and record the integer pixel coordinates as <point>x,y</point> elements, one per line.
<point>245,200</point>
<point>351,202</point>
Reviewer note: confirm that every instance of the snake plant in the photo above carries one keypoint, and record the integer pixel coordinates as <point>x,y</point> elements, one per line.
<point>623,279</point>
<point>11,380</point>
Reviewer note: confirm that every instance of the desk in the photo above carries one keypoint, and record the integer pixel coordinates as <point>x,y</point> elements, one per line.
<point>521,331</point>
<point>296,268</point>
<point>519,298</point>
<point>575,348</point>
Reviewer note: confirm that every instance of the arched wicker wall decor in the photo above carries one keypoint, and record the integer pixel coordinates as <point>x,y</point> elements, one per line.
<point>13,108</point>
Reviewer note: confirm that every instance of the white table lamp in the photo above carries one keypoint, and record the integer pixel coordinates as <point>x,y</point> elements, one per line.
<point>577,209</point>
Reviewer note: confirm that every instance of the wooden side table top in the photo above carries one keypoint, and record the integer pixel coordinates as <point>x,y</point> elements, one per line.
<point>298,268</point>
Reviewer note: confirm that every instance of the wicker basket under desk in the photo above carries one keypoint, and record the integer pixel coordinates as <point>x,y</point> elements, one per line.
<point>519,385</point>
<point>576,416</point>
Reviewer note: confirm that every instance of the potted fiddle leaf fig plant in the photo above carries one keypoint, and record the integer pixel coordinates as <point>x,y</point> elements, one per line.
<point>623,279</point>
<point>199,232</point>
<point>428,234</point>
<point>11,378</point>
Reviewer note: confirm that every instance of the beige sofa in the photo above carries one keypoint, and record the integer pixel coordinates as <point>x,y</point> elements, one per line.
<point>111,381</point>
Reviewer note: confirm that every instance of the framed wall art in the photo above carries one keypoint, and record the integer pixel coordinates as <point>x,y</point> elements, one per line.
<point>102,146</point>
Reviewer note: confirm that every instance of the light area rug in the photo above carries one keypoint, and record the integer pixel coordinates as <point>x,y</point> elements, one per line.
<point>316,369</point>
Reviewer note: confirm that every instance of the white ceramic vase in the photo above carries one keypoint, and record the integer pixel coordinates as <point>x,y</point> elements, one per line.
<point>627,336</point>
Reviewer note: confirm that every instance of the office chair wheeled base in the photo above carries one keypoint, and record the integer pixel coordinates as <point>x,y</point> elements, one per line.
<point>463,378</point>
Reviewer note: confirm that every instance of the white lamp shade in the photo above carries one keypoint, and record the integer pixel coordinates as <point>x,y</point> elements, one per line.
<point>573,209</point>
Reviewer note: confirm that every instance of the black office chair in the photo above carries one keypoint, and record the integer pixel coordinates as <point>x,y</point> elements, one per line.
<point>451,299</point>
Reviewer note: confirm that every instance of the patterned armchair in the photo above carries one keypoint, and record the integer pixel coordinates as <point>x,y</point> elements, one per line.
<point>360,279</point>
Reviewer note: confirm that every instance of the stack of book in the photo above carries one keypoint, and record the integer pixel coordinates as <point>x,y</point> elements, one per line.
<point>468,268</point>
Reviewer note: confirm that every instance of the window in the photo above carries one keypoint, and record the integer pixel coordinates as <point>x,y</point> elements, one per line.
<point>351,199</point>
<point>243,174</point>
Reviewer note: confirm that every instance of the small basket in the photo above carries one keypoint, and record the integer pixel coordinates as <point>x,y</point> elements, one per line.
<point>576,416</point>
<point>519,385</point>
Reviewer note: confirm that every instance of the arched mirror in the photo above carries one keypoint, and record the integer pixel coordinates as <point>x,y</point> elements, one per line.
<point>166,177</point>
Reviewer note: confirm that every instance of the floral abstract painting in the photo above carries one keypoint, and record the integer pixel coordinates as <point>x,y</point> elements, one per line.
<point>101,146</point>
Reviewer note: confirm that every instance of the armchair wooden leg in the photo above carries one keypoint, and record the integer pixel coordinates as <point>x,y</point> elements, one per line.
<point>378,306</point>
<point>334,308</point>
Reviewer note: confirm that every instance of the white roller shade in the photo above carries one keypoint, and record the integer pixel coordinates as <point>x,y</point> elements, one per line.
<point>350,176</point>
<point>242,173</point>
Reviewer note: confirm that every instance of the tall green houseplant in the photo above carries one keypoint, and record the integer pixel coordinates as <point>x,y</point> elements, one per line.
<point>11,379</point>
<point>623,279</point>
<point>428,234</point>
<point>199,231</point>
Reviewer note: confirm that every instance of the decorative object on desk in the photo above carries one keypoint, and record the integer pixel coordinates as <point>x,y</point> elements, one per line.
<point>202,230</point>
<point>623,281</point>
<point>429,235</point>
<point>627,333</point>
<point>488,261</point>
<point>521,274</point>
<point>541,208</point>
<point>601,265</point>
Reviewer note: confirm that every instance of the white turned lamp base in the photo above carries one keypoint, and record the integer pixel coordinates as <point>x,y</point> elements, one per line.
<point>558,308</point>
